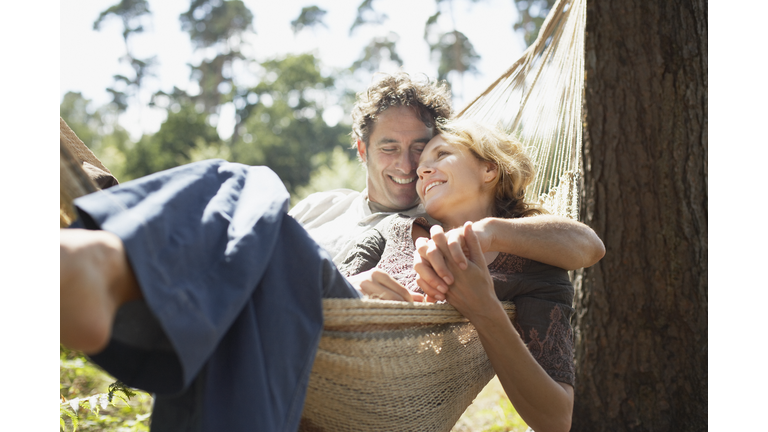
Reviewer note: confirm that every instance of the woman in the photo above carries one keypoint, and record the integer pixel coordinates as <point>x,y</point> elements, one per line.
<point>467,173</point>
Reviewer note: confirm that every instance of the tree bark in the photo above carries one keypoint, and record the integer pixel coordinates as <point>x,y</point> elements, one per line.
<point>641,322</point>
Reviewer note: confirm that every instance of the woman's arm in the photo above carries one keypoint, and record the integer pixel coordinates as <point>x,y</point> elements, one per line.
<point>544,404</point>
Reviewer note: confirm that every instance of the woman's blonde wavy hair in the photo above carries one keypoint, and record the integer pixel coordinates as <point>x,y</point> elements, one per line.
<point>515,168</point>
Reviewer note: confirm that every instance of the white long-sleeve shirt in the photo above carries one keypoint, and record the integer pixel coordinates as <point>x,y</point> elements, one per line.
<point>336,219</point>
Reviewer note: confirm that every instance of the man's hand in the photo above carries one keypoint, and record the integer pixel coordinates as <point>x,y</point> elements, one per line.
<point>378,284</point>
<point>430,259</point>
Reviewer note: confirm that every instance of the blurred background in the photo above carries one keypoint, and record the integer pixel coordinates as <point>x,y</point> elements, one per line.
<point>149,85</point>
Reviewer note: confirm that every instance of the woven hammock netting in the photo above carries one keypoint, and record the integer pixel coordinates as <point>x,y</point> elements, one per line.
<point>384,365</point>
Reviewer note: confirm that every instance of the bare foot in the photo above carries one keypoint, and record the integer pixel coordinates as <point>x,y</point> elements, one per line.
<point>95,280</point>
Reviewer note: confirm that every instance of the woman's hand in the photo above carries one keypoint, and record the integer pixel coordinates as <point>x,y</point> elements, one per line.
<point>433,255</point>
<point>471,292</point>
<point>378,284</point>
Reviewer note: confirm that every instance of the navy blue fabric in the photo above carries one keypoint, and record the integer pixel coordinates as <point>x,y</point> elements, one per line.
<point>234,283</point>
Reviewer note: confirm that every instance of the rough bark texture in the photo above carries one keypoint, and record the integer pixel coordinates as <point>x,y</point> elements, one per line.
<point>642,311</point>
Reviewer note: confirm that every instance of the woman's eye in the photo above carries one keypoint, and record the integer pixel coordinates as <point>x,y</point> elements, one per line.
<point>442,153</point>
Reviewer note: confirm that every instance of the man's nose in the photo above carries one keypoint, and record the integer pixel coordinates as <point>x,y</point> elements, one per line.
<point>406,163</point>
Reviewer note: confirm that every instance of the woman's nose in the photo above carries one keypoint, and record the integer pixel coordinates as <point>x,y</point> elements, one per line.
<point>423,170</point>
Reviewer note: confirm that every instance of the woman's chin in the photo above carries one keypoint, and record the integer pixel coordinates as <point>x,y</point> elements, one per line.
<point>433,210</point>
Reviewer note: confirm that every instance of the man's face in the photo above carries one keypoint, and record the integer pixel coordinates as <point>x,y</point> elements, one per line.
<point>392,156</point>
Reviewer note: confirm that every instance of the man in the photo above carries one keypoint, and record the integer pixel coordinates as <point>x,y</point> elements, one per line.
<point>392,122</point>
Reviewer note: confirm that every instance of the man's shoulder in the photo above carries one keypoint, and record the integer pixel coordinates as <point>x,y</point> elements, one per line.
<point>319,203</point>
<point>335,194</point>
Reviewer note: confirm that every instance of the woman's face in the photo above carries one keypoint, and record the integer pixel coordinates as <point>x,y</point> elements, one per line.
<point>453,184</point>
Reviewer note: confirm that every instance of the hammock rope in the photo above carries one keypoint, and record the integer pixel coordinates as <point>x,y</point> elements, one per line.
<point>385,365</point>
<point>539,99</point>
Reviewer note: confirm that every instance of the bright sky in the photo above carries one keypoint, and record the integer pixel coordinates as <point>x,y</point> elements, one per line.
<point>89,59</point>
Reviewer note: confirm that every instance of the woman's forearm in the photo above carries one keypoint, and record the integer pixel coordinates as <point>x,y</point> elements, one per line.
<point>544,404</point>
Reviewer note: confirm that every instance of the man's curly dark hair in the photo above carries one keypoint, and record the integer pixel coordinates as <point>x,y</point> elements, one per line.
<point>432,101</point>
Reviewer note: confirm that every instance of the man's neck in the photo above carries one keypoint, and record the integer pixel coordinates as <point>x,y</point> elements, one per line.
<point>378,208</point>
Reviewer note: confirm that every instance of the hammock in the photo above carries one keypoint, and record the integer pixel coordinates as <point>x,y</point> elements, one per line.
<point>384,365</point>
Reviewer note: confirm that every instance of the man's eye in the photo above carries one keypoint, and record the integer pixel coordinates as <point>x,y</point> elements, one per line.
<point>388,150</point>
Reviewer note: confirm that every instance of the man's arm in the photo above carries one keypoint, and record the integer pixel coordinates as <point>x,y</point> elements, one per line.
<point>552,240</point>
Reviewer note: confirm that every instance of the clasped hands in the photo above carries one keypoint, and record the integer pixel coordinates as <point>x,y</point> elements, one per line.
<point>450,266</point>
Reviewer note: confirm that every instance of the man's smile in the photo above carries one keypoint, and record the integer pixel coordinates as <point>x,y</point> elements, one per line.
<point>403,181</point>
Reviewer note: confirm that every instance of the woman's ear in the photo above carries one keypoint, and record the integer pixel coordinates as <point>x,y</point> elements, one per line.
<point>361,149</point>
<point>491,172</point>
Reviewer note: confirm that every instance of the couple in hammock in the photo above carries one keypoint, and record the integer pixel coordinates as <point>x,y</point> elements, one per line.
<point>205,292</point>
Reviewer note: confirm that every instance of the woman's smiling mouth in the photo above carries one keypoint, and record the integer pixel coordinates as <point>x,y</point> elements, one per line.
<point>431,185</point>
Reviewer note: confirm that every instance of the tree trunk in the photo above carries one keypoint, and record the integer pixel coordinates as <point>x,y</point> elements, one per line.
<point>641,323</point>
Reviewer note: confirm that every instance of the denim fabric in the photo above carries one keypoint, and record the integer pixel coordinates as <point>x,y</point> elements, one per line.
<point>235,287</point>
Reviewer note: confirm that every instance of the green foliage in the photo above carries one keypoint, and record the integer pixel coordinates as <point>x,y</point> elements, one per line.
<point>531,15</point>
<point>367,15</point>
<point>210,76</point>
<point>210,22</point>
<point>130,12</point>
<point>184,132</point>
<point>338,169</point>
<point>491,411</point>
<point>87,402</point>
<point>452,50</point>
<point>216,24</point>
<point>379,50</point>
<point>281,123</point>
<point>310,16</point>
<point>455,53</point>
<point>98,129</point>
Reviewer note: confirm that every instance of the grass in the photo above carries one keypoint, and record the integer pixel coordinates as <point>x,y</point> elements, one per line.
<point>491,411</point>
<point>84,403</point>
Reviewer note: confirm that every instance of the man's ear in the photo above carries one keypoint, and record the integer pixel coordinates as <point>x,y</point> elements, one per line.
<point>491,172</point>
<point>361,149</point>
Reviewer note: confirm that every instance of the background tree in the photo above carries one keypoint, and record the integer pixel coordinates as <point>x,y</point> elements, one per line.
<point>282,120</point>
<point>132,14</point>
<point>310,16</point>
<point>216,26</point>
<point>182,135</point>
<point>380,49</point>
<point>641,320</point>
<point>451,49</point>
<point>530,16</point>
